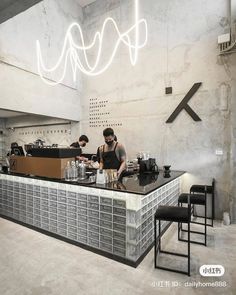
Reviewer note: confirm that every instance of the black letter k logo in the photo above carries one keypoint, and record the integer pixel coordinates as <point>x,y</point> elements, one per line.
<point>184,105</point>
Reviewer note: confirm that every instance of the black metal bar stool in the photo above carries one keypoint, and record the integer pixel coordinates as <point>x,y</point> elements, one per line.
<point>197,188</point>
<point>195,199</point>
<point>172,214</point>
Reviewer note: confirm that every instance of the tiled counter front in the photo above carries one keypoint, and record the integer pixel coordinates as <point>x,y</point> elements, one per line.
<point>115,222</point>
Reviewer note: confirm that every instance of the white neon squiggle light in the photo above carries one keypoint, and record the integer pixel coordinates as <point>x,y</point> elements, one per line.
<point>72,51</point>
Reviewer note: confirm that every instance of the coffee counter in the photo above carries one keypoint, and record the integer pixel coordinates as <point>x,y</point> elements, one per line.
<point>115,219</point>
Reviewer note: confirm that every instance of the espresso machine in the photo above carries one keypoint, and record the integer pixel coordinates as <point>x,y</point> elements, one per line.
<point>148,166</point>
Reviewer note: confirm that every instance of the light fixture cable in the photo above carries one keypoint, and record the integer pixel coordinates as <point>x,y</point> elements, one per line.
<point>71,50</point>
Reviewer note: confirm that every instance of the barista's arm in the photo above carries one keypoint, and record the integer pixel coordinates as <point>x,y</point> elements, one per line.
<point>101,160</point>
<point>122,156</point>
<point>101,165</point>
<point>122,166</point>
<point>81,158</point>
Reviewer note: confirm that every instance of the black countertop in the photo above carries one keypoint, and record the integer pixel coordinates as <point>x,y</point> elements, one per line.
<point>141,184</point>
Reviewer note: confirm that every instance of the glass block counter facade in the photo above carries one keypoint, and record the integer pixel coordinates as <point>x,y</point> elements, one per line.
<point>115,222</point>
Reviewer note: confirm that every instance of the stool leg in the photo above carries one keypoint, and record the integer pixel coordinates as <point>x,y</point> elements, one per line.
<point>189,249</point>
<point>206,223</point>
<point>155,243</point>
<point>178,230</point>
<point>181,225</point>
<point>213,207</point>
<point>192,210</point>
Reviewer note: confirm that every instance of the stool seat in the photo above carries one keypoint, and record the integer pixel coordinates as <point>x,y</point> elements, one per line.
<point>173,213</point>
<point>196,199</point>
<point>197,188</point>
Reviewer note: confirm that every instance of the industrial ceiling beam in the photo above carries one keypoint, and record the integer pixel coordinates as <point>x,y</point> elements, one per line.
<point>10,8</point>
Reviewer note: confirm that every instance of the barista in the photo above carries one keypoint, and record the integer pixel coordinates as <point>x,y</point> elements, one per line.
<point>83,140</point>
<point>112,153</point>
<point>98,150</point>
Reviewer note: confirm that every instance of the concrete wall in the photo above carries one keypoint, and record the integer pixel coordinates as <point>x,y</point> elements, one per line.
<point>182,49</point>
<point>232,73</point>
<point>21,89</point>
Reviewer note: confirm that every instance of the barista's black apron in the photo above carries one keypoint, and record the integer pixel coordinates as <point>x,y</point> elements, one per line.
<point>110,160</point>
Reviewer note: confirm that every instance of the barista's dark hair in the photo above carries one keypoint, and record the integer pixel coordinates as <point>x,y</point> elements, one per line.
<point>108,132</point>
<point>14,144</point>
<point>84,138</point>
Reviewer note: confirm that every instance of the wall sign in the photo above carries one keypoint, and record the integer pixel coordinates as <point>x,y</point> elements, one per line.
<point>184,105</point>
<point>100,114</point>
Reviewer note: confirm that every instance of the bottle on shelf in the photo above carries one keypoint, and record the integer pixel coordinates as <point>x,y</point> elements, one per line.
<point>68,171</point>
<point>82,171</point>
<point>74,171</point>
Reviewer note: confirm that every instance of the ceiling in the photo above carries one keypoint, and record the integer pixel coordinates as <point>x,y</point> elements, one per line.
<point>10,8</point>
<point>83,3</point>
<point>8,114</point>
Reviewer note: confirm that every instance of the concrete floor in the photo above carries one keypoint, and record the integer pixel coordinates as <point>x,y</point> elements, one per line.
<point>35,264</point>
